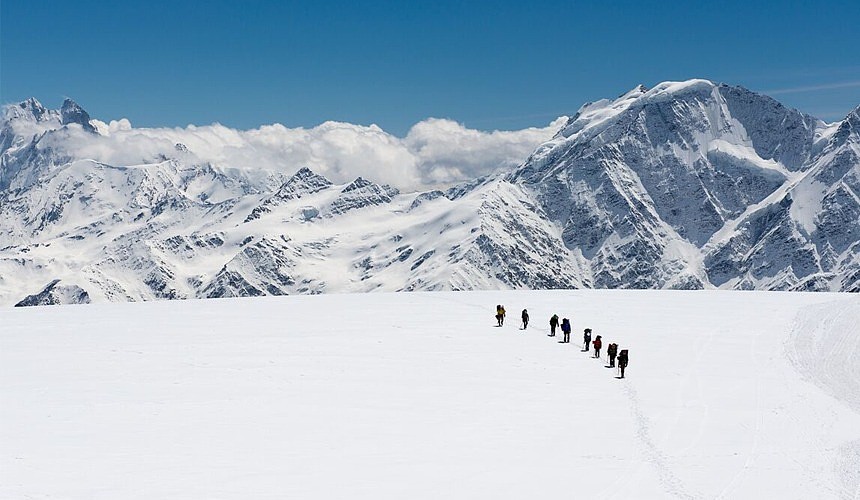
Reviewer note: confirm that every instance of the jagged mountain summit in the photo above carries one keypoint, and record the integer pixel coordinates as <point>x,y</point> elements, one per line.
<point>685,185</point>
<point>692,184</point>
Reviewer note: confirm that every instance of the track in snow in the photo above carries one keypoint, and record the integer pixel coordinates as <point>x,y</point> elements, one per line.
<point>419,396</point>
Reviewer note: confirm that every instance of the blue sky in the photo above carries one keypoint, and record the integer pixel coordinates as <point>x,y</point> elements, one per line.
<point>489,65</point>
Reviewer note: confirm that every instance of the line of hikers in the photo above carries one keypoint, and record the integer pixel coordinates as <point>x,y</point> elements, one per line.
<point>611,350</point>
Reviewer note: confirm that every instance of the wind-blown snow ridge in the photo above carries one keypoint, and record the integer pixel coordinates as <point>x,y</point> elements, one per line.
<point>685,185</point>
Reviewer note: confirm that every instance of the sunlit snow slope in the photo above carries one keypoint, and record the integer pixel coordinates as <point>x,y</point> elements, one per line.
<point>728,395</point>
<point>686,185</point>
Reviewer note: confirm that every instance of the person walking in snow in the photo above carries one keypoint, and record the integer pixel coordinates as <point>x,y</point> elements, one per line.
<point>553,324</point>
<point>500,314</point>
<point>597,345</point>
<point>622,361</point>
<point>565,329</point>
<point>612,351</point>
<point>586,337</point>
<point>525,319</point>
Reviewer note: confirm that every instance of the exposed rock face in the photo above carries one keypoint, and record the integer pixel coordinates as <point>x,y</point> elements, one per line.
<point>649,188</point>
<point>56,294</point>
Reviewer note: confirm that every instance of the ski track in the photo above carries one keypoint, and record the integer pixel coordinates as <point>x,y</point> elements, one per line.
<point>653,455</point>
<point>825,352</point>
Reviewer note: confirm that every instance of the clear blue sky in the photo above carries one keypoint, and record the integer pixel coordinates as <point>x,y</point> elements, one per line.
<point>487,64</point>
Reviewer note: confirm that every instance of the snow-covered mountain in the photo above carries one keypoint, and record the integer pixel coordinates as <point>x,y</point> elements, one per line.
<point>692,185</point>
<point>686,185</point>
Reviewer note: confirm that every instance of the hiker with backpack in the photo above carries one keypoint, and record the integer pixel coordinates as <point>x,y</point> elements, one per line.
<point>565,329</point>
<point>553,324</point>
<point>622,361</point>
<point>500,314</point>
<point>586,336</point>
<point>612,351</point>
<point>525,319</point>
<point>597,345</point>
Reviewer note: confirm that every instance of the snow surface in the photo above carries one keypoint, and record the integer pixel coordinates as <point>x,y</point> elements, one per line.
<point>728,395</point>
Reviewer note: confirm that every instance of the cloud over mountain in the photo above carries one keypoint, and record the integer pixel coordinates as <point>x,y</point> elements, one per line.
<point>434,152</point>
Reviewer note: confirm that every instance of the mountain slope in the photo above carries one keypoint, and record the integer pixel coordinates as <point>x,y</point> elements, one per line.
<point>687,185</point>
<point>642,184</point>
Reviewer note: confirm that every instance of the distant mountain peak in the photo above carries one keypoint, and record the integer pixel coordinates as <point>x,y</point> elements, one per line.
<point>634,92</point>
<point>29,109</point>
<point>358,183</point>
<point>854,117</point>
<point>304,181</point>
<point>306,173</point>
<point>32,104</point>
<point>72,112</point>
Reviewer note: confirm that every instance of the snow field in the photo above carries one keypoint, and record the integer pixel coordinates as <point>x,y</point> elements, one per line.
<point>418,395</point>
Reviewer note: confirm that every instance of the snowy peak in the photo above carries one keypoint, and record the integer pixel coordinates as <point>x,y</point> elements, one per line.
<point>302,183</point>
<point>362,193</point>
<point>72,112</point>
<point>358,183</point>
<point>30,109</point>
<point>850,125</point>
<point>55,294</point>
<point>653,175</point>
<point>634,92</point>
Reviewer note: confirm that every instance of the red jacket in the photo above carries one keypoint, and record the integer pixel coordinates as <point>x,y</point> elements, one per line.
<point>598,344</point>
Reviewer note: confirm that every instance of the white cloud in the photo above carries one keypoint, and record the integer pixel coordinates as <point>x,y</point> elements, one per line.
<point>449,152</point>
<point>434,152</point>
<point>813,88</point>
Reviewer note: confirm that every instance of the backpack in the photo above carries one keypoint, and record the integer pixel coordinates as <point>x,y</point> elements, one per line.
<point>612,349</point>
<point>622,357</point>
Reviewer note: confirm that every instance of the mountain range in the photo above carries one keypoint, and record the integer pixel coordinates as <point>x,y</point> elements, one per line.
<point>687,185</point>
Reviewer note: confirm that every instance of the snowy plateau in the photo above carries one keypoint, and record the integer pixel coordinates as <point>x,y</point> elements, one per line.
<point>734,395</point>
<point>688,185</point>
